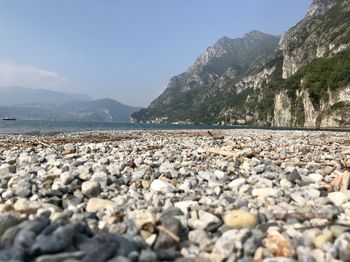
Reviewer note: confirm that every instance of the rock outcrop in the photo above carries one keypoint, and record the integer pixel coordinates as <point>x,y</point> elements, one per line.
<point>313,37</point>
<point>282,110</point>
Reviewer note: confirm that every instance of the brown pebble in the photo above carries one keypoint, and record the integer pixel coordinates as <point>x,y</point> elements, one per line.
<point>336,183</point>
<point>345,182</point>
<point>145,184</point>
<point>278,245</point>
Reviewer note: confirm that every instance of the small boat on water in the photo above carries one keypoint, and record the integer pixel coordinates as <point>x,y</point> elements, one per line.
<point>9,118</point>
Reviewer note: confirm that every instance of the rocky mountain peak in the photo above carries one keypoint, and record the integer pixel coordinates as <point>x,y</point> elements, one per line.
<point>220,46</point>
<point>224,40</point>
<point>320,7</point>
<point>255,34</point>
<point>235,49</point>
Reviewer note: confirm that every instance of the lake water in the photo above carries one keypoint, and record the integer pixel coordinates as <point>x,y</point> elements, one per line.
<point>44,127</point>
<point>40,126</point>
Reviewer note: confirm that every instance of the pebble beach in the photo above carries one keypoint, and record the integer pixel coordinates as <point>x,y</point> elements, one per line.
<point>185,196</point>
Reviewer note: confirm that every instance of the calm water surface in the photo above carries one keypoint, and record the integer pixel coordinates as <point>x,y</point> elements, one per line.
<point>44,127</point>
<point>41,126</point>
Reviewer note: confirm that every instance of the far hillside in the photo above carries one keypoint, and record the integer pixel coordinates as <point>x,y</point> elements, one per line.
<point>40,104</point>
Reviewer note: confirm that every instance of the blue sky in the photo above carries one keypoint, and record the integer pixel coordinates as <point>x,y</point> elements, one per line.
<point>123,49</point>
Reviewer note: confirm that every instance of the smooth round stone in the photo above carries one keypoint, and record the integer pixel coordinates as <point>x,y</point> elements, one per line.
<point>344,254</point>
<point>138,174</point>
<point>66,178</point>
<point>161,186</point>
<point>246,165</point>
<point>23,188</point>
<point>342,244</point>
<point>69,148</point>
<point>337,198</point>
<point>145,184</point>
<point>84,175</point>
<point>280,259</point>
<point>224,246</point>
<point>4,170</point>
<point>7,194</point>
<point>219,174</point>
<point>321,239</point>
<point>237,183</point>
<point>206,175</point>
<point>101,178</point>
<point>269,175</point>
<point>197,236</point>
<point>286,183</point>
<point>7,221</point>
<point>328,170</point>
<point>259,169</point>
<point>26,206</point>
<point>147,256</point>
<point>65,169</point>
<point>141,218</point>
<point>328,179</point>
<point>312,194</point>
<point>186,186</point>
<point>265,192</point>
<point>240,219</point>
<point>104,161</point>
<point>97,204</point>
<point>165,167</point>
<point>69,256</point>
<point>338,230</point>
<point>316,178</point>
<point>251,245</point>
<point>90,188</point>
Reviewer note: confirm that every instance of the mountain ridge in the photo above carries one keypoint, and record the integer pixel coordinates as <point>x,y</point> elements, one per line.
<point>61,106</point>
<point>226,57</point>
<point>299,82</point>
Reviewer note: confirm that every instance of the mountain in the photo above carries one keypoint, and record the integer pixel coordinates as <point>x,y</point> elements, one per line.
<point>227,60</point>
<point>316,69</point>
<point>15,95</point>
<point>41,104</point>
<point>301,80</point>
<point>103,110</point>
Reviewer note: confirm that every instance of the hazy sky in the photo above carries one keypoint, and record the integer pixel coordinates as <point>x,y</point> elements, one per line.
<point>123,49</point>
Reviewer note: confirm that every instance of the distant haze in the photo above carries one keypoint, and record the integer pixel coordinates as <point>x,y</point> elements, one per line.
<point>42,104</point>
<point>125,50</point>
<point>15,95</point>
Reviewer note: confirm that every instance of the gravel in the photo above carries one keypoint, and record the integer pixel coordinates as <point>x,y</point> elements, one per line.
<point>244,195</point>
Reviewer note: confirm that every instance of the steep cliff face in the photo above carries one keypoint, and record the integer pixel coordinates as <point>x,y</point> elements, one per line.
<point>282,110</point>
<point>337,111</point>
<point>311,114</point>
<point>300,80</point>
<point>324,31</point>
<point>312,88</point>
<point>320,7</point>
<point>255,81</point>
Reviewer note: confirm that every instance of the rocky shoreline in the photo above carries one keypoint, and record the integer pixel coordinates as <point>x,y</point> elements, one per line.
<point>233,195</point>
